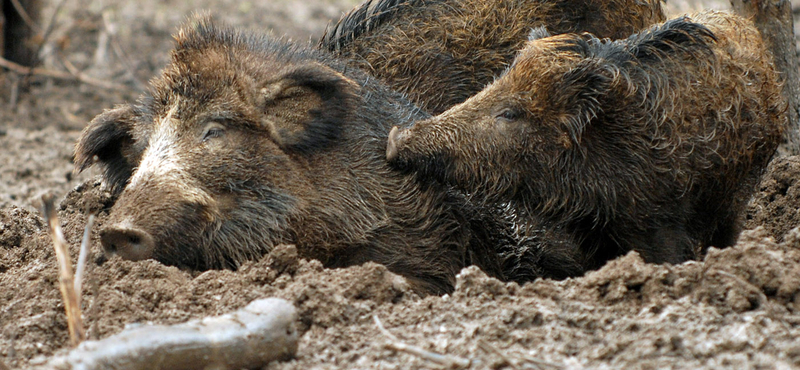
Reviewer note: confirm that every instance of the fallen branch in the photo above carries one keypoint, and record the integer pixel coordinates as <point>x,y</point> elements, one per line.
<point>449,362</point>
<point>251,337</point>
<point>66,281</point>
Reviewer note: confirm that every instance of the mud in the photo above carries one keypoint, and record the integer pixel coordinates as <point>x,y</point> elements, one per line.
<point>737,308</point>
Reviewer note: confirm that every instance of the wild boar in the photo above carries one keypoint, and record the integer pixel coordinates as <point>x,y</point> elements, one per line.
<point>244,142</point>
<point>653,143</point>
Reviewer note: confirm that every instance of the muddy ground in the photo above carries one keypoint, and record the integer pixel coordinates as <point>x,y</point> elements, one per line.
<point>738,308</point>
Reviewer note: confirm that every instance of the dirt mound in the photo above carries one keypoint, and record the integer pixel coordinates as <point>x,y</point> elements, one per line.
<point>775,205</point>
<point>739,308</point>
<point>725,312</point>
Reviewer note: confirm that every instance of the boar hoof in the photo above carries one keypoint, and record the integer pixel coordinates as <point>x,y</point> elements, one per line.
<point>127,242</point>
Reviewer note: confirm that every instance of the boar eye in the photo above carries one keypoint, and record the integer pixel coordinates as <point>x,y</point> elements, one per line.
<point>212,130</point>
<point>509,114</point>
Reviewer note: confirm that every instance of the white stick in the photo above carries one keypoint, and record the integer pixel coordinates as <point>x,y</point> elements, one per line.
<point>83,255</point>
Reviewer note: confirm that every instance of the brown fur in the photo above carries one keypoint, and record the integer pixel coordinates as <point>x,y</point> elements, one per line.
<point>439,52</point>
<point>244,143</point>
<point>653,143</point>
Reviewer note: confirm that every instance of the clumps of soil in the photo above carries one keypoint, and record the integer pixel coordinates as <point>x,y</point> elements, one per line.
<point>777,200</point>
<point>738,308</point>
<point>736,279</point>
<point>15,224</point>
<point>723,312</point>
<point>90,197</point>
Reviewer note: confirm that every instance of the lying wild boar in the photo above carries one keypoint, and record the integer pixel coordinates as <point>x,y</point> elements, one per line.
<point>440,52</point>
<point>652,143</point>
<point>244,142</point>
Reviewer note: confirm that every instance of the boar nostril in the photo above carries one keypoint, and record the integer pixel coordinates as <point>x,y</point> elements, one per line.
<point>128,242</point>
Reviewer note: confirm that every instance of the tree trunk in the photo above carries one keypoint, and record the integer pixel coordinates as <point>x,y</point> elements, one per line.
<point>774,20</point>
<point>18,31</point>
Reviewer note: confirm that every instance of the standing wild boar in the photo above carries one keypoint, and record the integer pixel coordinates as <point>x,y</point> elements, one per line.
<point>244,142</point>
<point>440,52</point>
<point>652,143</point>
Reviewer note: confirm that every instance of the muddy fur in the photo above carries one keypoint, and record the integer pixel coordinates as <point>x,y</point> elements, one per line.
<point>439,53</point>
<point>653,143</point>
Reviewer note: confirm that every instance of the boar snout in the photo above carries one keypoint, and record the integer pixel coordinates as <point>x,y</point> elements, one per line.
<point>397,139</point>
<point>127,241</point>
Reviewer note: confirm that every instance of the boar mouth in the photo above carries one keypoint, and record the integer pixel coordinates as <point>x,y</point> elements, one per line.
<point>199,237</point>
<point>135,244</point>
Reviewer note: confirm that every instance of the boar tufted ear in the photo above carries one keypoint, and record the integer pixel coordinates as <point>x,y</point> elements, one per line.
<point>581,92</point>
<point>677,38</point>
<point>306,108</point>
<point>109,141</point>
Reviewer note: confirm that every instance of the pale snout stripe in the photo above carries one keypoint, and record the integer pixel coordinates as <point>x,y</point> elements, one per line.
<point>160,157</point>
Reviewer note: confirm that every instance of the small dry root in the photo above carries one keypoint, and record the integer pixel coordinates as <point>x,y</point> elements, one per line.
<point>66,280</point>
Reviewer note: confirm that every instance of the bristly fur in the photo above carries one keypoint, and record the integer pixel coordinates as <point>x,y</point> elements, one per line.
<point>652,143</point>
<point>439,53</point>
<point>295,155</point>
<point>365,18</point>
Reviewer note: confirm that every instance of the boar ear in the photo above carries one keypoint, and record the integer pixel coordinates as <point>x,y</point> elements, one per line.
<point>582,90</point>
<point>674,37</point>
<point>306,108</point>
<point>109,141</point>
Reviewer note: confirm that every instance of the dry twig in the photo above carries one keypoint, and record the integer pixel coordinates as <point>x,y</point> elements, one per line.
<point>66,279</point>
<point>450,362</point>
<point>84,253</point>
<point>82,77</point>
<point>78,76</point>
<point>111,29</point>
